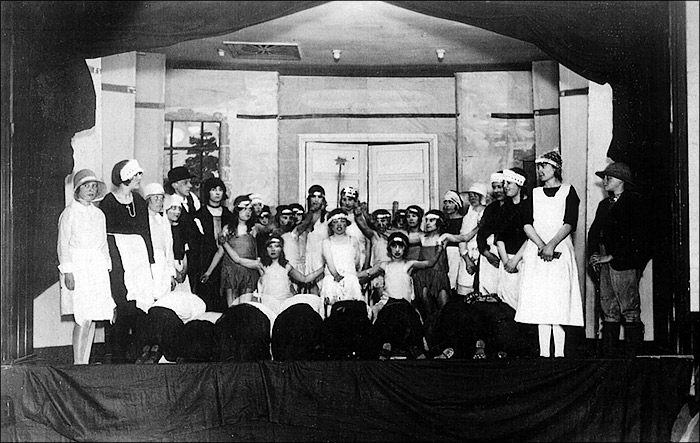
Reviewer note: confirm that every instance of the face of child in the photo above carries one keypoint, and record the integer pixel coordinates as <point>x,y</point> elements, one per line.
<point>412,219</point>
<point>298,216</point>
<point>264,218</point>
<point>338,226</point>
<point>449,207</point>
<point>257,207</point>
<point>348,203</point>
<point>173,213</point>
<point>216,195</point>
<point>155,202</point>
<point>88,191</point>
<point>511,189</point>
<point>183,187</point>
<point>316,201</point>
<point>545,171</point>
<point>430,224</point>
<point>382,223</point>
<point>245,213</point>
<point>274,250</point>
<point>611,184</point>
<point>397,249</point>
<point>400,221</point>
<point>286,219</point>
<point>497,188</point>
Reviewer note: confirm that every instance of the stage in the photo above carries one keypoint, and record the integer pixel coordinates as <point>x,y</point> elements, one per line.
<point>519,399</point>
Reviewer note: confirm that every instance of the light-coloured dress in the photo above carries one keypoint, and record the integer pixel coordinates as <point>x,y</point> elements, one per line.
<point>549,291</point>
<point>398,283</point>
<point>82,250</point>
<point>275,286</point>
<point>469,222</point>
<point>344,260</point>
<point>314,246</point>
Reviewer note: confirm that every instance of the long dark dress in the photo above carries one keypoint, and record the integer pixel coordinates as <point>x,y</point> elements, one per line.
<point>123,337</point>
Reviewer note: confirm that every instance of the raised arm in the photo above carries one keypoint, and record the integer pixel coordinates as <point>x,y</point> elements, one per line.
<point>363,225</point>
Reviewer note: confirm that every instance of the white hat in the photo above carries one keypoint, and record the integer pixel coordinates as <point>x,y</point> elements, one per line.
<point>479,188</point>
<point>153,189</point>
<point>496,177</point>
<point>171,200</point>
<point>130,169</point>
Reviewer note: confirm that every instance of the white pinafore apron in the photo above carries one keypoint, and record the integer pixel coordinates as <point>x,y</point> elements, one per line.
<point>137,270</point>
<point>549,291</point>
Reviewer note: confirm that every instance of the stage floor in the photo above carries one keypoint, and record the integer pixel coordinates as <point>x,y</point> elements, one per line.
<point>518,399</point>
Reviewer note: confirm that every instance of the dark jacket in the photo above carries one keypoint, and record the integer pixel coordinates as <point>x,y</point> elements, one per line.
<point>622,228</point>
<point>202,247</point>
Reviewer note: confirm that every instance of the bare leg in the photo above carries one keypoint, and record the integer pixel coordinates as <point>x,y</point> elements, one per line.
<point>442,299</point>
<point>230,297</point>
<point>83,335</point>
<point>545,333</point>
<point>559,339</point>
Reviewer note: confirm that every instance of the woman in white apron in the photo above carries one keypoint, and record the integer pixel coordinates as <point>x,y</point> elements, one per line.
<point>131,250</point>
<point>550,295</point>
<point>84,263</point>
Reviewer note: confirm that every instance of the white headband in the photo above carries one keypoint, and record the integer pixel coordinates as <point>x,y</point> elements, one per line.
<point>496,177</point>
<point>244,204</point>
<point>339,216</point>
<point>432,216</point>
<point>514,177</point>
<point>546,160</point>
<point>130,169</point>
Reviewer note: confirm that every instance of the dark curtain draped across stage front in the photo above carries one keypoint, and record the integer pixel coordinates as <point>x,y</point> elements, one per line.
<point>450,400</point>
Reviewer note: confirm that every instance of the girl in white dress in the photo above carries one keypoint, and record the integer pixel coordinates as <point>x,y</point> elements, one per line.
<point>276,274</point>
<point>314,226</point>
<point>398,284</point>
<point>550,295</point>
<point>341,255</point>
<point>84,263</point>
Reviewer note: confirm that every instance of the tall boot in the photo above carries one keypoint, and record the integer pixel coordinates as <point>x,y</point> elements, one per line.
<point>611,339</point>
<point>634,336</point>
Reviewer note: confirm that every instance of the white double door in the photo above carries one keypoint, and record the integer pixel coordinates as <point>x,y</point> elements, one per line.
<point>382,172</point>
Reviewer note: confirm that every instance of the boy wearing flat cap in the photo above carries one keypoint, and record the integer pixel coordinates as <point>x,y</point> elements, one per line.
<point>618,250</point>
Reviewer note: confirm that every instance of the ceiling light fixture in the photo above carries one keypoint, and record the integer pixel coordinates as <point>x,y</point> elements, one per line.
<point>336,54</point>
<point>440,54</point>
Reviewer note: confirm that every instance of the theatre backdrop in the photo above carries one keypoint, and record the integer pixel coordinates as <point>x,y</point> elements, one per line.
<point>48,96</point>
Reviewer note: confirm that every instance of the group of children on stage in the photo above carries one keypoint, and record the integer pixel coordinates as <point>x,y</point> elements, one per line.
<point>405,271</point>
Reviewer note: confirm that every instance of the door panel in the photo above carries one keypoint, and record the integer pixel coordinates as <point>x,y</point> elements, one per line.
<point>399,172</point>
<point>322,168</point>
